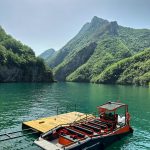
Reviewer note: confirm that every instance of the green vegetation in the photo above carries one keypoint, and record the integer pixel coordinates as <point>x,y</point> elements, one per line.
<point>74,61</point>
<point>88,34</point>
<point>132,70</point>
<point>105,54</point>
<point>18,62</point>
<point>78,62</point>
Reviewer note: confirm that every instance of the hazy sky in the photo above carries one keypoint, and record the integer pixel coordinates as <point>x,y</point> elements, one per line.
<point>44,24</point>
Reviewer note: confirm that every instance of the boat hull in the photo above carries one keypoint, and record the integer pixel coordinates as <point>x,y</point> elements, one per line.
<point>101,143</point>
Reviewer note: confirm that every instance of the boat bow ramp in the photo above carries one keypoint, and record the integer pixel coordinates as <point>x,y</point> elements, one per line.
<point>45,124</point>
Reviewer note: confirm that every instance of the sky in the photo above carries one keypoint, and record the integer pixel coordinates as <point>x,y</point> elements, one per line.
<point>44,24</point>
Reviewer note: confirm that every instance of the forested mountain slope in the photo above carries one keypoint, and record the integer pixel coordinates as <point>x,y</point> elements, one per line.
<point>18,62</point>
<point>132,70</point>
<point>107,51</point>
<point>89,33</point>
<point>112,44</point>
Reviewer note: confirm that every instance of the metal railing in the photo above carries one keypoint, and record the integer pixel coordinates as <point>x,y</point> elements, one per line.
<point>11,135</point>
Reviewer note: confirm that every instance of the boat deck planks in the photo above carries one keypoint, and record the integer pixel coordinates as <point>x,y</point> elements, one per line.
<point>45,124</point>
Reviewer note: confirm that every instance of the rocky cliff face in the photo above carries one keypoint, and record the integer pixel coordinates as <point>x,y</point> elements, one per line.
<point>18,62</point>
<point>30,74</point>
<point>78,62</point>
<point>12,74</point>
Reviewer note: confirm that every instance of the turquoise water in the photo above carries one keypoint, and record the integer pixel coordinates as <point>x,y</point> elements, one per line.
<point>25,101</point>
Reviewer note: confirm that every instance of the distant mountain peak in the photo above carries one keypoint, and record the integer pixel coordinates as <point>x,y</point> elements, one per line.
<point>48,53</point>
<point>51,50</point>
<point>94,24</point>
<point>97,19</point>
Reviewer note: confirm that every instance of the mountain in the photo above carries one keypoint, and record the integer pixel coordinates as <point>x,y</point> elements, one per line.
<point>18,62</point>
<point>98,45</point>
<point>88,33</point>
<point>47,54</point>
<point>107,52</point>
<point>132,70</point>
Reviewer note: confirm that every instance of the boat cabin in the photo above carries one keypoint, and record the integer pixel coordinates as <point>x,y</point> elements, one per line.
<point>109,112</point>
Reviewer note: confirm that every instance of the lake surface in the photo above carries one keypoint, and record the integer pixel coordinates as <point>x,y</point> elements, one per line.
<point>26,101</point>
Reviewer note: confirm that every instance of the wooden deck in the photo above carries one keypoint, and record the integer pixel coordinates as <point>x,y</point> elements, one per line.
<point>45,124</point>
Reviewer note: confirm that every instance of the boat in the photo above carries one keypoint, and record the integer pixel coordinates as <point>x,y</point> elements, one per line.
<point>111,124</point>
